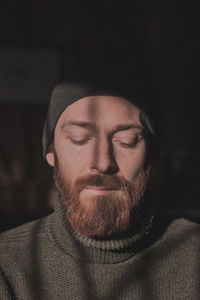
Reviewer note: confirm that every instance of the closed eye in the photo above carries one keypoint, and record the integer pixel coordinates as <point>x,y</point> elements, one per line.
<point>79,142</point>
<point>131,145</point>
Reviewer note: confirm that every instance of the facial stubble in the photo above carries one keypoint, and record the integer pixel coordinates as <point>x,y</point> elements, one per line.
<point>100,215</point>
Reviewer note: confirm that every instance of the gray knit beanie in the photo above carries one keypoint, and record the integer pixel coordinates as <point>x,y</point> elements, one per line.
<point>104,77</point>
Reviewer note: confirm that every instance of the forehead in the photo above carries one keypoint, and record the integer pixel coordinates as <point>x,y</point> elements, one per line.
<point>101,109</point>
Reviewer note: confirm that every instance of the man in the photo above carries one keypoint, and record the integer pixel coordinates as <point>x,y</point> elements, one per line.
<point>105,239</point>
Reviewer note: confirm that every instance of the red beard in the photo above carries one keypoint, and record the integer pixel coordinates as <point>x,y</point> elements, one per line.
<point>100,215</point>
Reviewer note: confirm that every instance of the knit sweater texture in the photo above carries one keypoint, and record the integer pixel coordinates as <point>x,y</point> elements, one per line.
<point>45,259</point>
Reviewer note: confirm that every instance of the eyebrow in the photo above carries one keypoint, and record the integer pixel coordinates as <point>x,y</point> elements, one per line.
<point>79,124</point>
<point>122,127</point>
<point>91,126</point>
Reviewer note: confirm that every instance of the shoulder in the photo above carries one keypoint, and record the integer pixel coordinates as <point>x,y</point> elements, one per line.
<point>186,232</point>
<point>24,233</point>
<point>179,233</point>
<point>185,227</point>
<point>19,245</point>
<point>174,225</point>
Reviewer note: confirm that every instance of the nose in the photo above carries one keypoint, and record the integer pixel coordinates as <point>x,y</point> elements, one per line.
<point>103,160</point>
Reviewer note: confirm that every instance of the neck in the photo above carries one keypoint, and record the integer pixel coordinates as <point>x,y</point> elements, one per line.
<point>110,249</point>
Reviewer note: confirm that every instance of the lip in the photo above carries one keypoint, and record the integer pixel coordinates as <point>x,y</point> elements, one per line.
<point>101,190</point>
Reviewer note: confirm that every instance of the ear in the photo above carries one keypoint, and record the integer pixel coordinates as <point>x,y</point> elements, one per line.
<point>50,157</point>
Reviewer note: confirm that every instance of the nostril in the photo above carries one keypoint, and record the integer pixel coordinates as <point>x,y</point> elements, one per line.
<point>109,167</point>
<point>113,168</point>
<point>103,160</point>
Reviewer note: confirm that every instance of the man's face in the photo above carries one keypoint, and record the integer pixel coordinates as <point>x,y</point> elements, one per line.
<point>99,154</point>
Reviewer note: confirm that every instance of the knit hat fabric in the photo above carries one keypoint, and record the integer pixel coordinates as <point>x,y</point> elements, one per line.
<point>99,78</point>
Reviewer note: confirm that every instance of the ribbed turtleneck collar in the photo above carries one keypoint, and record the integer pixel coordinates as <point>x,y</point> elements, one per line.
<point>98,250</point>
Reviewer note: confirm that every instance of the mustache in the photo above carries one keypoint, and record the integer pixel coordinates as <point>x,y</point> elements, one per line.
<point>106,181</point>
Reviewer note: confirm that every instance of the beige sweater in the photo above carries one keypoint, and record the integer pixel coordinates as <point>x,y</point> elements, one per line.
<point>45,259</point>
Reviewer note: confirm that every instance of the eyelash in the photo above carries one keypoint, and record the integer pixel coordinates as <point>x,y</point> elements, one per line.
<point>128,145</point>
<point>124,145</point>
<point>79,142</point>
<point>132,145</point>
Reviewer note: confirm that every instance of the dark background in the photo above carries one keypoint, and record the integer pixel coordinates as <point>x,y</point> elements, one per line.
<point>162,35</point>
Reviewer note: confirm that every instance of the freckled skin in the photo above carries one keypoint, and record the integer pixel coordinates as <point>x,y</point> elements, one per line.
<point>102,149</point>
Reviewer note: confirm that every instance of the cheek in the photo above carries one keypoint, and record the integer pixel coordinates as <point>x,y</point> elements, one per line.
<point>72,162</point>
<point>130,165</point>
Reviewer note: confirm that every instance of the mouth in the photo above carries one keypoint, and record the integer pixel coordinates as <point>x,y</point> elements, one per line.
<point>100,190</point>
